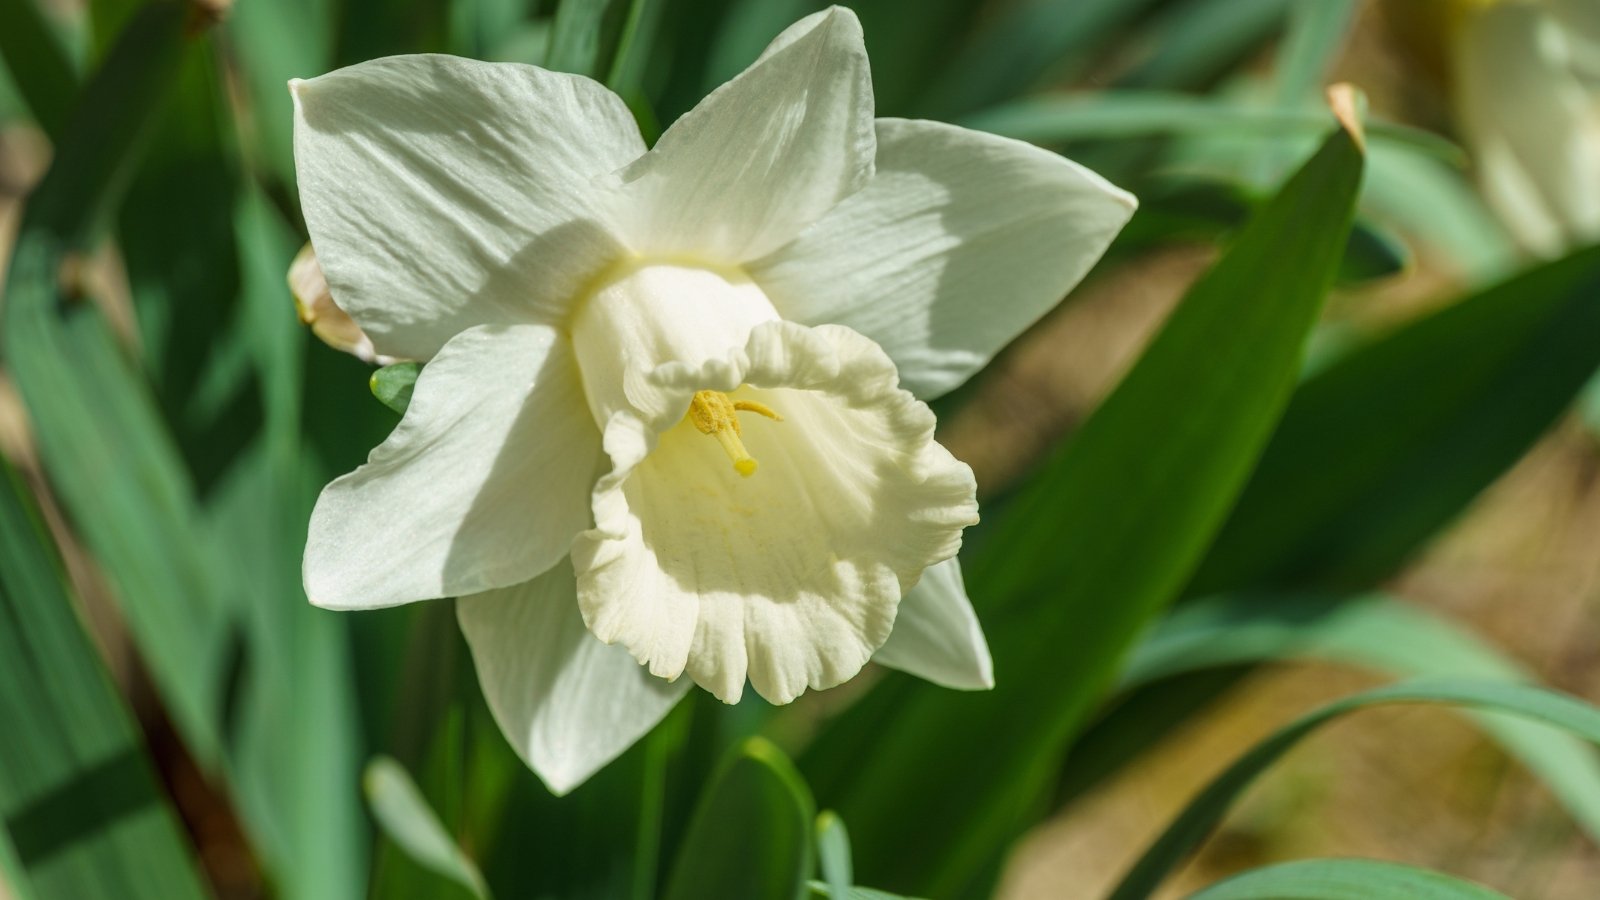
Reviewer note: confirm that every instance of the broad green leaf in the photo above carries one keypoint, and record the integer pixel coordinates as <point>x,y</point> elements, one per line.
<point>393,385</point>
<point>1345,879</point>
<point>1082,560</point>
<point>99,433</point>
<point>405,817</point>
<point>1374,632</point>
<point>751,833</point>
<point>1380,450</point>
<point>85,815</point>
<point>833,853</point>
<point>1203,813</point>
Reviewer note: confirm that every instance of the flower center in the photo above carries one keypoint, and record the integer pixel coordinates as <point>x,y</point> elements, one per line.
<point>714,413</point>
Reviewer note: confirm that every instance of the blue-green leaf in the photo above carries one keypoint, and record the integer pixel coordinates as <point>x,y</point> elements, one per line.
<point>1206,810</point>
<point>1345,879</point>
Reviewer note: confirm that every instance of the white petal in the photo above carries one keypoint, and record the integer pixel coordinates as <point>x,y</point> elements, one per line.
<point>443,193</point>
<point>568,703</point>
<point>937,636</point>
<point>482,484</point>
<point>1532,125</point>
<point>764,155</point>
<point>960,242</point>
<point>790,577</point>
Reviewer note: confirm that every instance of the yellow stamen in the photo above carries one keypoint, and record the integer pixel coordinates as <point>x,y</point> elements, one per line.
<point>713,413</point>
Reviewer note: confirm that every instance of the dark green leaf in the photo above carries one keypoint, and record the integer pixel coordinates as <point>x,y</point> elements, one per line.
<point>1345,879</point>
<point>1381,449</point>
<point>1206,810</point>
<point>1089,553</point>
<point>751,834</point>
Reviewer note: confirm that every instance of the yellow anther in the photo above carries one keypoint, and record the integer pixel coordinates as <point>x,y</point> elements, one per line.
<point>713,413</point>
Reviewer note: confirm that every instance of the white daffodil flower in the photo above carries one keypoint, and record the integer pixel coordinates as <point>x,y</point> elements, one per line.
<point>692,371</point>
<point>1528,95</point>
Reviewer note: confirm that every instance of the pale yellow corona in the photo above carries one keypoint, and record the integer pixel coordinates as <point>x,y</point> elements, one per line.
<point>715,413</point>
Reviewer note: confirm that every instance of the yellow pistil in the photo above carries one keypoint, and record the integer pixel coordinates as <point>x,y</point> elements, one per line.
<point>715,413</point>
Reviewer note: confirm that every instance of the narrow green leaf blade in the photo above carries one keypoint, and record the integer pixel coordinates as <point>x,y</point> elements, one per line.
<point>1345,879</point>
<point>1095,547</point>
<point>405,817</point>
<point>99,432</point>
<point>575,38</point>
<point>833,852</point>
<point>751,834</point>
<point>83,810</point>
<point>1374,632</point>
<point>1203,813</point>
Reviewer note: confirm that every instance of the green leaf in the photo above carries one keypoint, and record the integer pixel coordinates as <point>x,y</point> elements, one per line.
<point>274,42</point>
<point>1019,46</point>
<point>1089,553</point>
<point>833,852</point>
<point>84,812</point>
<point>1197,41</point>
<point>99,433</point>
<point>576,38</point>
<point>295,753</point>
<point>1431,200</point>
<point>1130,113</point>
<point>1345,879</point>
<point>405,817</point>
<point>1203,813</point>
<point>751,833</point>
<point>393,385</point>
<point>820,891</point>
<point>1374,632</point>
<point>1380,450</point>
<point>39,65</point>
<point>626,75</point>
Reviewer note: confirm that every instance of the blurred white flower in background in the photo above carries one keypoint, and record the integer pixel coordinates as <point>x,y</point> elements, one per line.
<point>694,372</point>
<point>1528,98</point>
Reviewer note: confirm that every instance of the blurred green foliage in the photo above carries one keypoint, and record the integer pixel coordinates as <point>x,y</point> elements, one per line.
<point>1220,480</point>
